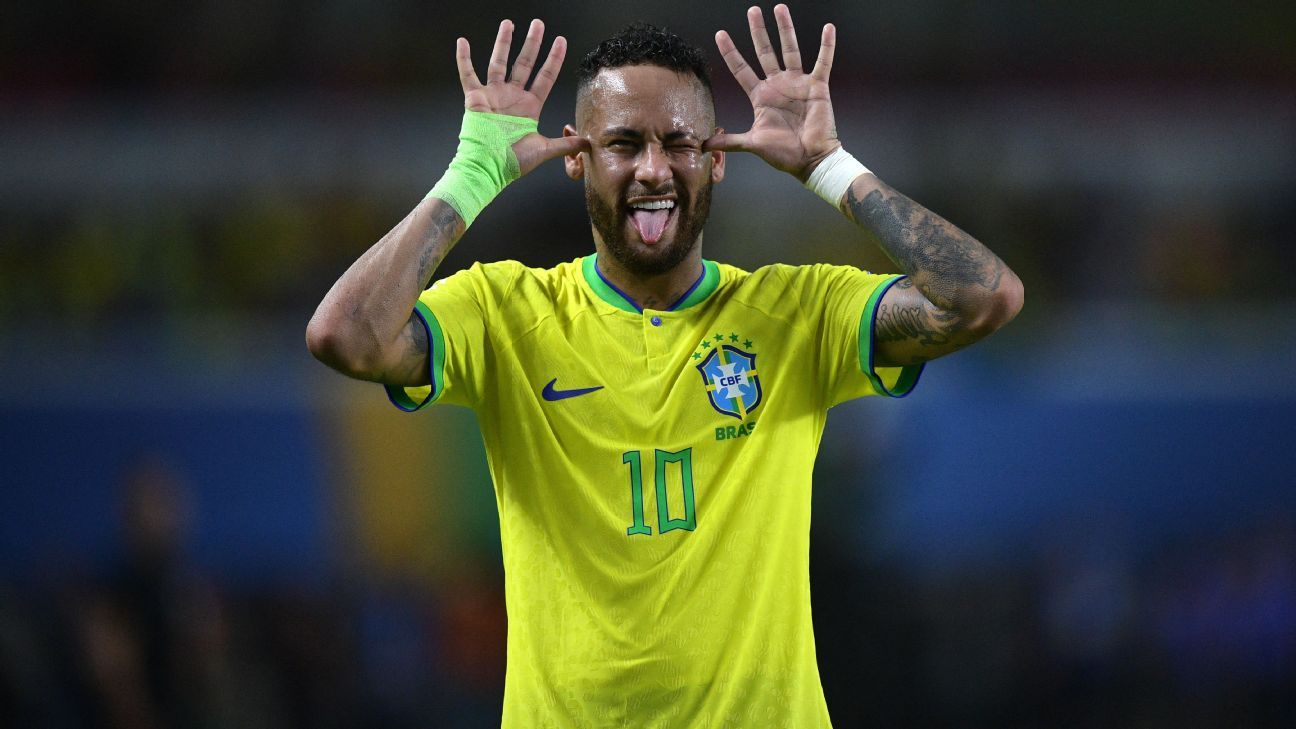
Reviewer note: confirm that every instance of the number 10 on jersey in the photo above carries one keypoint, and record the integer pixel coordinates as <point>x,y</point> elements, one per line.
<point>662,488</point>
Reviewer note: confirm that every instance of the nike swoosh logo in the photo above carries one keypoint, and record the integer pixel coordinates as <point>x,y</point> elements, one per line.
<point>552,394</point>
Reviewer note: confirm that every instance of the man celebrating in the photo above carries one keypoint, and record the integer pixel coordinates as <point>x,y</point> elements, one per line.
<point>651,417</point>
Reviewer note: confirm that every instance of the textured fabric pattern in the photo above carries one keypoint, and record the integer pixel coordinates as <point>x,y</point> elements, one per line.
<point>656,531</point>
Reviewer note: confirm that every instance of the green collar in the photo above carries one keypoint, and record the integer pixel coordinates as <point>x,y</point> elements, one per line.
<point>702,288</point>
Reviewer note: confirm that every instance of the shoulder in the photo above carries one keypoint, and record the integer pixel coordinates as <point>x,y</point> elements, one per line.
<point>765,290</point>
<point>542,289</point>
<point>780,279</point>
<point>513,297</point>
<point>811,274</point>
<point>800,295</point>
<point>498,283</point>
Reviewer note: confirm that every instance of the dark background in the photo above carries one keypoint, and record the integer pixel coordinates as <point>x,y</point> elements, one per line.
<point>1087,520</point>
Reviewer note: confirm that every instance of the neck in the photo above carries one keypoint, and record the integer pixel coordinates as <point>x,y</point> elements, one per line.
<point>657,291</point>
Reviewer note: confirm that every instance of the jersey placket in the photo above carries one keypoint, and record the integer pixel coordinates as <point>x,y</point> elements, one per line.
<point>659,330</point>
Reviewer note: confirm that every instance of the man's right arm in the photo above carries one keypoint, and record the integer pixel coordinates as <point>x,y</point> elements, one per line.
<point>364,327</point>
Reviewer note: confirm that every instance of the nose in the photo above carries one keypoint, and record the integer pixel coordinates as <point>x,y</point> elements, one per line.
<point>653,166</point>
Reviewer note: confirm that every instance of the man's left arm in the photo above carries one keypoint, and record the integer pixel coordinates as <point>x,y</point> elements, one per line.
<point>956,291</point>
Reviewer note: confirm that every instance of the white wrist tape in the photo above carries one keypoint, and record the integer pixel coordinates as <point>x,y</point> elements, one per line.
<point>834,175</point>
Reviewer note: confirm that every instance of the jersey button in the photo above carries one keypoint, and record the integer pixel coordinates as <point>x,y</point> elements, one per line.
<point>656,321</point>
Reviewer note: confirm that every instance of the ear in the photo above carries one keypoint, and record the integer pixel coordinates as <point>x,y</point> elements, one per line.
<point>717,161</point>
<point>573,163</point>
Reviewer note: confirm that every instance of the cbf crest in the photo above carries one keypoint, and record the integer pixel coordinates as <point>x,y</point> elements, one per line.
<point>729,373</point>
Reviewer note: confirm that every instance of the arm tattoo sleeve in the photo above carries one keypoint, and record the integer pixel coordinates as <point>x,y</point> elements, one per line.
<point>412,367</point>
<point>923,324</point>
<point>950,267</point>
<point>443,233</point>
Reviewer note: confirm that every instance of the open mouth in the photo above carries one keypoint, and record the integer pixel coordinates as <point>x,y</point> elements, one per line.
<point>650,218</point>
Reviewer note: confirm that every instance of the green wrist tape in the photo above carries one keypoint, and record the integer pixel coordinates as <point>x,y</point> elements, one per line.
<point>484,162</point>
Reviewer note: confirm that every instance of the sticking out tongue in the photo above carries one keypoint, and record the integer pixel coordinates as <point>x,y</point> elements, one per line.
<point>650,223</point>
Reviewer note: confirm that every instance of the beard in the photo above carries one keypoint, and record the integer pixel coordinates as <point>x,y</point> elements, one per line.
<point>610,222</point>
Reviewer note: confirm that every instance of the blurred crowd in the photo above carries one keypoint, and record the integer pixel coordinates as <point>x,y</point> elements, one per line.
<point>1087,635</point>
<point>258,258</point>
<point>72,250</point>
<point>156,641</point>
<point>1110,151</point>
<point>1200,635</point>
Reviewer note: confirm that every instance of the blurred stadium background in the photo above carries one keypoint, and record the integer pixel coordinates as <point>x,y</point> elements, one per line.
<point>1087,520</point>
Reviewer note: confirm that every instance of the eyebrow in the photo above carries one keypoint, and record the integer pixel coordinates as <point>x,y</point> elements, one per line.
<point>672,136</point>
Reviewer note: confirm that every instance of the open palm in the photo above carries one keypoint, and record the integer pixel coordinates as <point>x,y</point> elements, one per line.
<point>507,93</point>
<point>793,127</point>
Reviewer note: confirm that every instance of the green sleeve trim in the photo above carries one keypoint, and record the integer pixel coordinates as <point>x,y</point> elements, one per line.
<point>436,364</point>
<point>710,280</point>
<point>909,374</point>
<point>601,287</point>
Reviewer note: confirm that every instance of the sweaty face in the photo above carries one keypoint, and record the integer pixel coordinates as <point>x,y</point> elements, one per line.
<point>650,238</point>
<point>647,180</point>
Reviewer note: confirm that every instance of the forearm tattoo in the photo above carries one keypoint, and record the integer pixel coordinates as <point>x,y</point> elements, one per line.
<point>413,365</point>
<point>948,265</point>
<point>445,229</point>
<point>408,364</point>
<point>954,272</point>
<point>921,323</point>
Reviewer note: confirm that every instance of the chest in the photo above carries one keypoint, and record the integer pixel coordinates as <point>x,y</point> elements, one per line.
<point>675,378</point>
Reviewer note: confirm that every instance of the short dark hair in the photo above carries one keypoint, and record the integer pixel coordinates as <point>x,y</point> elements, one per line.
<point>644,44</point>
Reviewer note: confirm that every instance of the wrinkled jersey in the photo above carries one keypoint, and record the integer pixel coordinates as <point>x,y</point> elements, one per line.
<point>652,474</point>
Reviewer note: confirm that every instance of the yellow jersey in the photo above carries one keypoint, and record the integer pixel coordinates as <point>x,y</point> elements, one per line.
<point>652,474</point>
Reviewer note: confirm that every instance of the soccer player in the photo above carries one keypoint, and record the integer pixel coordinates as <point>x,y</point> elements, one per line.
<point>651,417</point>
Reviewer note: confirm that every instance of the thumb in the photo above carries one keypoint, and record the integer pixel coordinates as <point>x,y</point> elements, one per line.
<point>565,146</point>
<point>534,150</point>
<point>723,142</point>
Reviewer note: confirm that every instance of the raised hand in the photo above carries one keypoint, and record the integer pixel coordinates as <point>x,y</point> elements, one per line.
<point>507,93</point>
<point>793,129</point>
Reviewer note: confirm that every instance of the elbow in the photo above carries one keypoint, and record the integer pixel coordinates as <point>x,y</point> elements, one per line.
<point>1001,307</point>
<point>332,343</point>
<point>1011,298</point>
<point>325,341</point>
